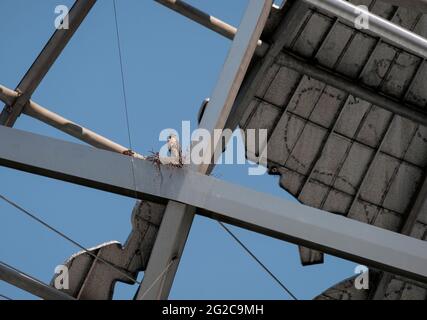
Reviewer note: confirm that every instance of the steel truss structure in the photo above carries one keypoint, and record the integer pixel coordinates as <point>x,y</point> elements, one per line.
<point>182,191</point>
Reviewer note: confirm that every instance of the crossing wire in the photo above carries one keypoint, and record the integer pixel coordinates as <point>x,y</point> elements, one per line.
<point>61,234</point>
<point>125,100</point>
<point>266,269</point>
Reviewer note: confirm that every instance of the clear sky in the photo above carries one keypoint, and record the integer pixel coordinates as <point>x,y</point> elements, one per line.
<point>171,64</point>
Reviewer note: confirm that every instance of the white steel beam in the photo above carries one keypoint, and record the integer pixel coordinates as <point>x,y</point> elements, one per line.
<point>176,224</point>
<point>208,21</point>
<point>44,61</point>
<point>289,221</point>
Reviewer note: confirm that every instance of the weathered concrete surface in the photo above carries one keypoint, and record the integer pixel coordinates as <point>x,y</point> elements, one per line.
<point>92,279</point>
<point>338,152</point>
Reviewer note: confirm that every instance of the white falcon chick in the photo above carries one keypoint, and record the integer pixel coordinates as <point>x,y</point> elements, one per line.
<point>174,149</point>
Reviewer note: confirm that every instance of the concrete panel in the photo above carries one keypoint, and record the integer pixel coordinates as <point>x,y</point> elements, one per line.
<point>400,136</point>
<point>389,220</point>
<point>374,126</point>
<point>306,96</point>
<point>334,45</point>
<point>313,194</point>
<point>417,152</point>
<point>284,138</point>
<point>290,180</point>
<point>337,202</point>
<point>332,155</point>
<point>420,230</point>
<point>379,64</point>
<point>311,38</point>
<point>356,55</point>
<point>264,116</point>
<point>328,107</point>
<point>383,9</point>
<point>282,87</point>
<point>405,184</point>
<point>363,211</point>
<point>401,74</point>
<point>384,169</point>
<point>394,290</point>
<point>306,148</point>
<point>421,27</point>
<point>268,79</point>
<point>413,292</point>
<point>354,167</point>
<point>353,113</point>
<point>418,92</point>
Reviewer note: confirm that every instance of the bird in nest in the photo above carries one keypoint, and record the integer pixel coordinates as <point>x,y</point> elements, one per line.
<point>175,152</point>
<point>174,157</point>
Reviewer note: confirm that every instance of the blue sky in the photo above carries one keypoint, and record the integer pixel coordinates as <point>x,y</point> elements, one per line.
<point>171,64</point>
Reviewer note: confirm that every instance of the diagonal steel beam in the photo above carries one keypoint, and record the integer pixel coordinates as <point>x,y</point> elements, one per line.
<point>291,21</point>
<point>77,131</point>
<point>30,284</point>
<point>44,62</point>
<point>224,29</point>
<point>289,221</point>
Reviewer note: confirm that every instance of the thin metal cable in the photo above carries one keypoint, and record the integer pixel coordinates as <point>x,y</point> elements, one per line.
<point>125,100</point>
<point>5,297</point>
<point>45,224</point>
<point>119,47</point>
<point>280,283</point>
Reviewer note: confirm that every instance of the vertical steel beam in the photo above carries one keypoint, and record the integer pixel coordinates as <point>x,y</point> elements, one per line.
<point>176,224</point>
<point>44,62</point>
